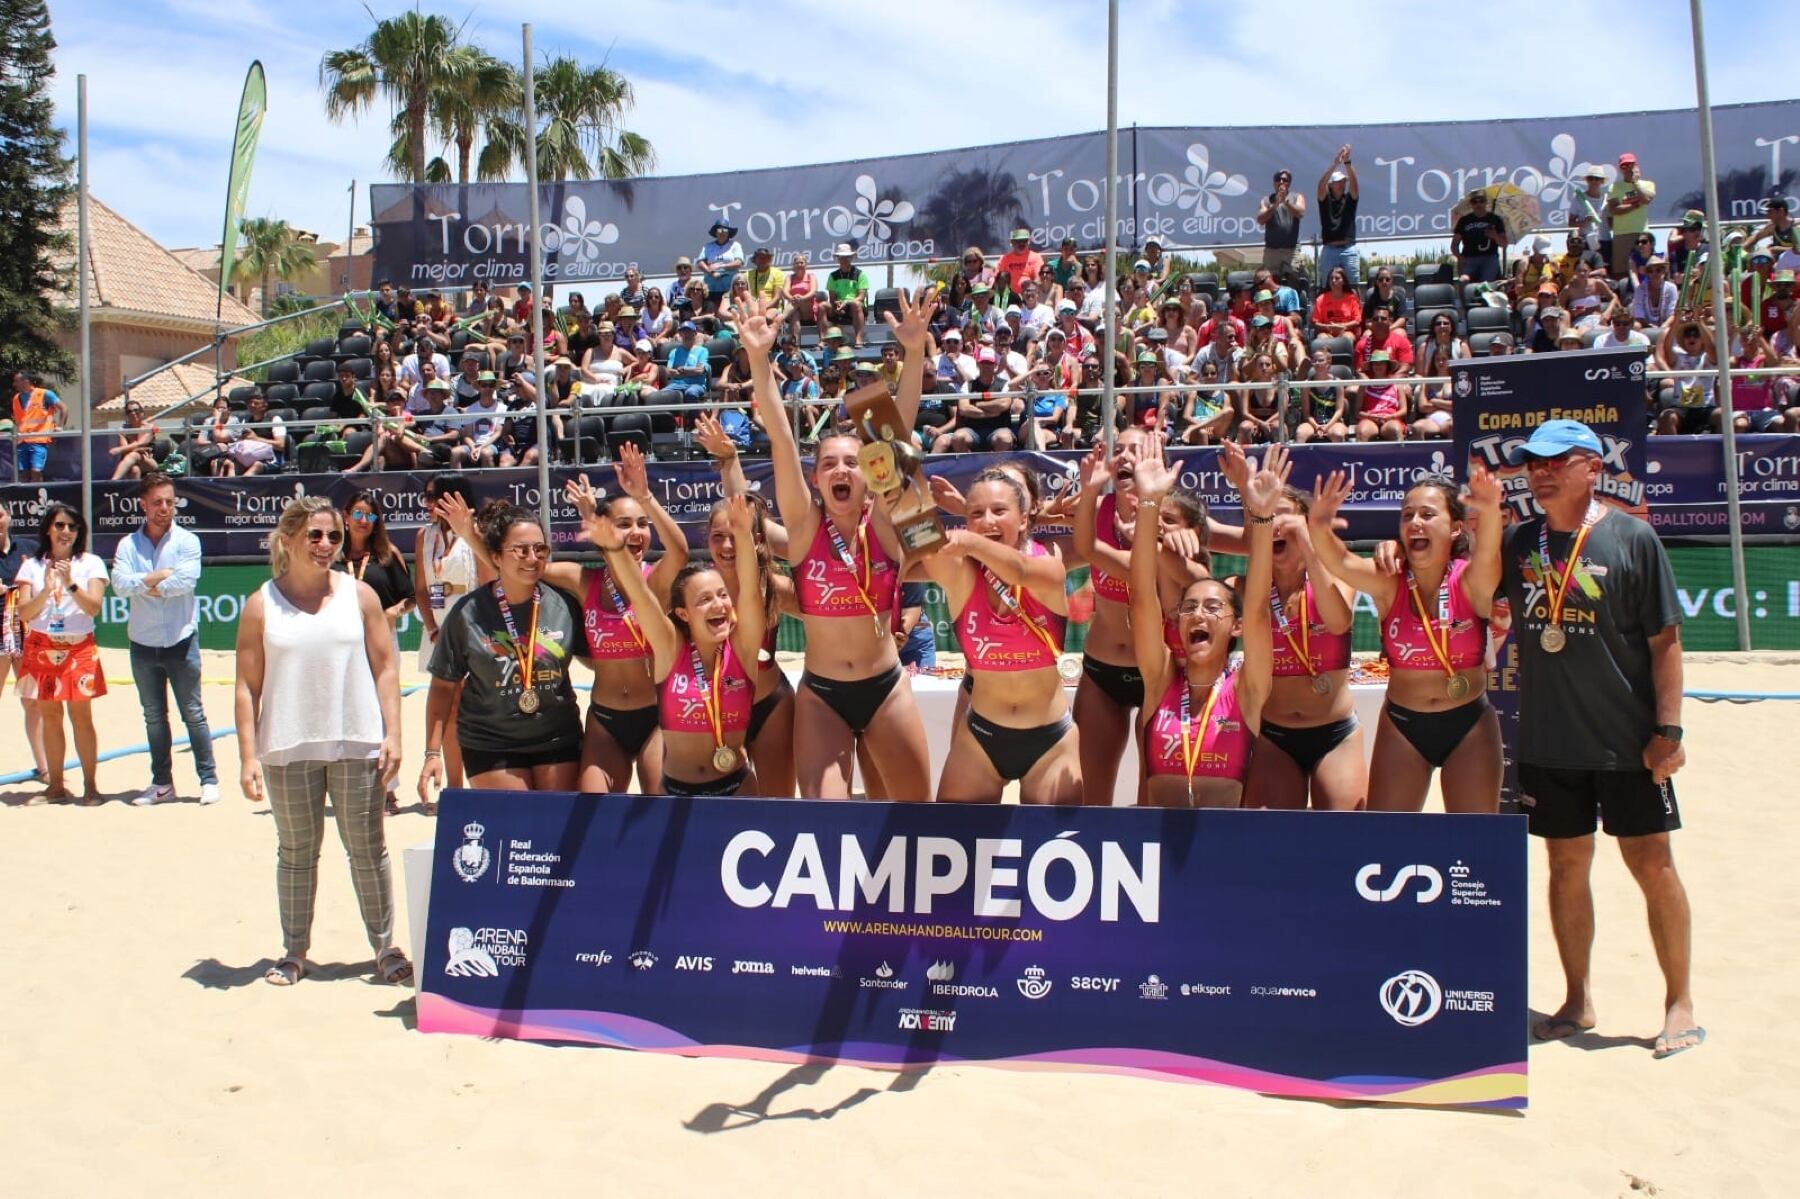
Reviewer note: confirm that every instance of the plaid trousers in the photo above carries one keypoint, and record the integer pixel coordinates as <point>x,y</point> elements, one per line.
<point>297,794</point>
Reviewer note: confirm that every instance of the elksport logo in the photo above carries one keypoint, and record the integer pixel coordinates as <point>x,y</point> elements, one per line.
<point>1411,997</point>
<point>1431,883</point>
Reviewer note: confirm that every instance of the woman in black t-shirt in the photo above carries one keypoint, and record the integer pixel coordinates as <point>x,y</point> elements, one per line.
<point>509,644</point>
<point>372,558</point>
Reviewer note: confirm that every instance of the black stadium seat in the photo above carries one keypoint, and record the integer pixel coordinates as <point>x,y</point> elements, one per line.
<point>324,347</point>
<point>1239,279</point>
<point>318,393</point>
<point>363,368</point>
<point>355,346</point>
<point>237,397</point>
<point>281,394</point>
<point>1435,295</point>
<point>1430,272</point>
<point>321,370</point>
<point>1479,342</point>
<point>633,427</point>
<point>886,299</point>
<point>1483,318</point>
<point>285,371</point>
<point>1342,349</point>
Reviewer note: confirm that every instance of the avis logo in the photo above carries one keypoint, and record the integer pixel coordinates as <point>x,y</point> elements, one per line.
<point>1411,997</point>
<point>687,961</point>
<point>1432,883</point>
<point>1034,985</point>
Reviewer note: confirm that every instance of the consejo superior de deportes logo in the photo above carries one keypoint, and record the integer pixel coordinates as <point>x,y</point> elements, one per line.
<point>1431,883</point>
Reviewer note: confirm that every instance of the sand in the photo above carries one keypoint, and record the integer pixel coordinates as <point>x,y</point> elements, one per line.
<point>143,1055</point>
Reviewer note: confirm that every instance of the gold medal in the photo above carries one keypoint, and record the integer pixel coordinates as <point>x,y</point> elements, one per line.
<point>1069,669</point>
<point>1456,686</point>
<point>725,759</point>
<point>1552,639</point>
<point>528,702</point>
<point>1321,684</point>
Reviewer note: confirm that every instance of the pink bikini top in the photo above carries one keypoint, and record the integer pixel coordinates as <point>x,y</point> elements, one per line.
<point>1106,586</point>
<point>1023,634</point>
<point>682,699</point>
<point>1325,651</point>
<point>612,630</point>
<point>1217,736</point>
<point>829,587</point>
<point>1403,637</point>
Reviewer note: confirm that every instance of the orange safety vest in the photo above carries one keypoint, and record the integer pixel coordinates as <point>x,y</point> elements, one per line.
<point>31,414</point>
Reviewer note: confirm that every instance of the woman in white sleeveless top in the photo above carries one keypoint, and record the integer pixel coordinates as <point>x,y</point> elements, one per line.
<point>318,713</point>
<point>445,569</point>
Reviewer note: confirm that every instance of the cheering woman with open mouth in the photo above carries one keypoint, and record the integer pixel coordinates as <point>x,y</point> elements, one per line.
<point>846,559</point>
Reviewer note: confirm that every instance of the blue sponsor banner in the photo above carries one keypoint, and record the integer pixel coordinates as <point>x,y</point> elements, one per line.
<point>1321,955</point>
<point>1188,186</point>
<point>1683,483</point>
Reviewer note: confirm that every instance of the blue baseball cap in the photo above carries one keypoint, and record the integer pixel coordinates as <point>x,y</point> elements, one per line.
<point>1555,437</point>
<point>687,327</point>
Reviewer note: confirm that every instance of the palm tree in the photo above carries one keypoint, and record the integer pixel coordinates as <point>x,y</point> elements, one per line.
<point>480,89</point>
<point>578,134</point>
<point>273,250</point>
<point>974,207</point>
<point>409,58</point>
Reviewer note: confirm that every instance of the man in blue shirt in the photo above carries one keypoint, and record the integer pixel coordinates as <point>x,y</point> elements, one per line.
<point>157,569</point>
<point>690,368</point>
<point>720,260</point>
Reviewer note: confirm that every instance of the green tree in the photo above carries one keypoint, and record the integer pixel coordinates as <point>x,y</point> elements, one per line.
<point>578,136</point>
<point>411,59</point>
<point>271,251</point>
<point>480,89</point>
<point>34,191</point>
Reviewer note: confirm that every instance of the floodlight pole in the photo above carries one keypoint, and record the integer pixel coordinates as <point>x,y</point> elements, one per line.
<point>537,292</point>
<point>1715,260</point>
<point>1109,336</point>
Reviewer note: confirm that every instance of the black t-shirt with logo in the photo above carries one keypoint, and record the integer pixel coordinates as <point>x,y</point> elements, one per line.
<point>1480,233</point>
<point>1337,218</point>
<point>1593,705</point>
<point>473,648</point>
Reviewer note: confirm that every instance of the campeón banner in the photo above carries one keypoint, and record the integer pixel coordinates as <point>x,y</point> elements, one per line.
<point>1187,186</point>
<point>1329,956</point>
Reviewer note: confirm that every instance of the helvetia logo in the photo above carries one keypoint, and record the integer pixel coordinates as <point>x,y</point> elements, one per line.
<point>1033,985</point>
<point>1411,997</point>
<point>472,857</point>
<point>642,959</point>
<point>1431,883</point>
<point>687,961</point>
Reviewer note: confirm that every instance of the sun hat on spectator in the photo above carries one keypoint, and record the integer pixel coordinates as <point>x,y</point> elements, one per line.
<point>1555,437</point>
<point>1628,159</point>
<point>1546,288</point>
<point>1552,311</point>
<point>1501,339</point>
<point>949,335</point>
<point>568,362</point>
<point>483,377</point>
<point>644,345</point>
<point>864,368</point>
<point>1657,260</point>
<point>1056,335</point>
<point>628,314</point>
<point>684,260</point>
<point>721,227</point>
<point>606,327</point>
<point>1070,242</point>
<point>986,356</point>
<point>524,287</point>
<point>1259,321</point>
<point>981,289</point>
<point>1021,235</point>
<point>1338,177</point>
<point>1573,335</point>
<point>1693,218</point>
<point>1147,358</point>
<point>1013,310</point>
<point>1595,171</point>
<point>1779,278</point>
<point>1141,265</point>
<point>833,333</point>
<point>1380,356</point>
<point>1158,334</point>
<point>843,354</point>
<point>1154,241</point>
<point>688,327</point>
<point>1540,245</point>
<point>1173,302</point>
<point>1479,193</point>
<point>1065,306</point>
<point>1261,296</point>
<point>843,250</point>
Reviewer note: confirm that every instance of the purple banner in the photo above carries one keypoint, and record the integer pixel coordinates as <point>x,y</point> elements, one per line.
<point>1365,960</point>
<point>1681,483</point>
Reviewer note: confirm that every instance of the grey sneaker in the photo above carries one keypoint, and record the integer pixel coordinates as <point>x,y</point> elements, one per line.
<point>155,793</point>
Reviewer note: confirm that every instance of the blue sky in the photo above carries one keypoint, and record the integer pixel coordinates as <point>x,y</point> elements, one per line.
<point>724,86</point>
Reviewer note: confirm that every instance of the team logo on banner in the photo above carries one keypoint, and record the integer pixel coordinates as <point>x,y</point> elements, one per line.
<point>473,858</point>
<point>1411,997</point>
<point>1432,883</point>
<point>468,958</point>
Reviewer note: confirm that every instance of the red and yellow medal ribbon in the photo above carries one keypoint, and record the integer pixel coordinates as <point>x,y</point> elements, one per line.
<point>1303,647</point>
<point>1437,635</point>
<point>1556,586</point>
<point>1191,758</point>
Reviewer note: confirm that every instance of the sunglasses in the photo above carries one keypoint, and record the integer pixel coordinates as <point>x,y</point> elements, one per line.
<point>62,524</point>
<point>523,552</point>
<point>334,536</point>
<point>1644,241</point>
<point>367,518</point>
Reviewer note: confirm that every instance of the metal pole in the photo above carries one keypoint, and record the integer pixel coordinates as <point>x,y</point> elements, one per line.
<point>86,405</point>
<point>1109,335</point>
<point>1715,259</point>
<point>350,238</point>
<point>537,292</point>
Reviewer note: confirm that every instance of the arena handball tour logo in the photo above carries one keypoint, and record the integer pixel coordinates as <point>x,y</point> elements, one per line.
<point>472,857</point>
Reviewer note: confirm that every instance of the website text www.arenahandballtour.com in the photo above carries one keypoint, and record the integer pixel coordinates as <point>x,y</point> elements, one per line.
<point>943,932</point>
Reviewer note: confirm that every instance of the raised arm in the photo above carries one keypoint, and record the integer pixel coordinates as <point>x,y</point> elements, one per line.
<point>634,481</point>
<point>911,330</point>
<point>1154,482</point>
<point>1042,576</point>
<point>454,511</point>
<point>1482,577</point>
<point>752,617</point>
<point>1096,469</point>
<point>651,616</point>
<point>793,497</point>
<point>1328,494</point>
<point>1261,492</point>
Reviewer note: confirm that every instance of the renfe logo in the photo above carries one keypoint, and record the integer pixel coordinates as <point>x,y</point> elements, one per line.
<point>1059,879</point>
<point>1433,883</point>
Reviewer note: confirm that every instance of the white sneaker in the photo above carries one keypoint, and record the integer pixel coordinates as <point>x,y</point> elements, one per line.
<point>155,793</point>
<point>209,793</point>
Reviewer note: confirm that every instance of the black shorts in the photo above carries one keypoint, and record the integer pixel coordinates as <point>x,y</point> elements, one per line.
<point>724,786</point>
<point>763,708</point>
<point>1013,752</point>
<point>1564,803</point>
<point>1124,685</point>
<point>1308,746</point>
<point>630,728</point>
<point>1435,735</point>
<point>855,700</point>
<point>481,761</point>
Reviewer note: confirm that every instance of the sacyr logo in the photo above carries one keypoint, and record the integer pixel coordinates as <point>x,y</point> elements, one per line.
<point>1433,883</point>
<point>577,236</point>
<point>1034,985</point>
<point>1411,997</point>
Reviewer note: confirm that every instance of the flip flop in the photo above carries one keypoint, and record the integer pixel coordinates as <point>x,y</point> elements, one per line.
<point>393,967</point>
<point>1558,1029</point>
<point>285,973</point>
<point>1665,1046</point>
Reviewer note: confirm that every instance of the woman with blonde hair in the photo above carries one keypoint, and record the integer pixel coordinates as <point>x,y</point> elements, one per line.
<point>318,714</point>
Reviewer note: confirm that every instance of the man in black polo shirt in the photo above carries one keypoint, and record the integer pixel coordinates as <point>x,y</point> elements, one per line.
<point>1477,239</point>
<point>1599,640</point>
